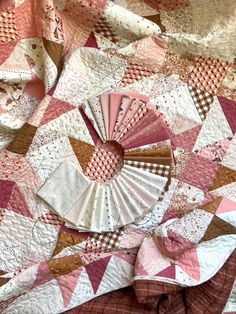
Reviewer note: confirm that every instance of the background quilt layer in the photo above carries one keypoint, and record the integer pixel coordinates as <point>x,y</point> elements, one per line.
<point>117,156</point>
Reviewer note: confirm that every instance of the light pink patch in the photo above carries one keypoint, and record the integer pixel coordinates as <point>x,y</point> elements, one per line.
<point>140,270</point>
<point>127,119</point>
<point>28,19</point>
<point>188,261</point>
<point>6,5</point>
<point>105,103</point>
<point>124,107</point>
<point>226,205</point>
<point>68,283</point>
<point>16,168</point>
<point>6,50</point>
<point>115,101</point>
<point>129,257</point>
<point>150,257</point>
<point>151,51</point>
<point>215,151</point>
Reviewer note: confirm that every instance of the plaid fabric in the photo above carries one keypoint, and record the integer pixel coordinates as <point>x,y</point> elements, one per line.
<point>121,302</point>
<point>103,242</point>
<point>209,297</point>
<point>161,170</point>
<point>159,297</point>
<point>103,28</point>
<point>202,101</point>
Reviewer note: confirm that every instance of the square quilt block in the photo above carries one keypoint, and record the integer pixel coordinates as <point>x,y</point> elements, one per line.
<point>208,74</point>
<point>199,172</point>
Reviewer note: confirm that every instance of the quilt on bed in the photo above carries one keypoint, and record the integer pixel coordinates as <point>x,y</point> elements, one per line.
<point>117,156</point>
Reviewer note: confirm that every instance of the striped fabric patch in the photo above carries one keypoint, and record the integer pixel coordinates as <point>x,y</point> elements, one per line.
<point>161,170</point>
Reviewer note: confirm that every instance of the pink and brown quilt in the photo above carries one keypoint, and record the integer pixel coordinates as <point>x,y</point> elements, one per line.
<point>117,156</point>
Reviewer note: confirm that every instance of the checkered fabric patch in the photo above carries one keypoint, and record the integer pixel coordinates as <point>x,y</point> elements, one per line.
<point>8,30</point>
<point>202,101</point>
<point>208,74</point>
<point>103,165</point>
<point>51,219</point>
<point>103,242</point>
<point>160,170</point>
<point>135,72</point>
<point>103,28</point>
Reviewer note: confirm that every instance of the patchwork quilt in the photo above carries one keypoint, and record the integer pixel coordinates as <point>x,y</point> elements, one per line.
<point>117,156</point>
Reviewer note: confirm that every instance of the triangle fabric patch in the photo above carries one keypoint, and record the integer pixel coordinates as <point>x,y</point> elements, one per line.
<point>55,109</point>
<point>188,261</point>
<point>168,272</point>
<point>6,50</point>
<point>218,227</point>
<point>96,271</point>
<point>6,188</point>
<point>18,204</point>
<point>54,51</point>
<point>43,275</point>
<point>229,109</point>
<point>83,151</point>
<point>226,205</point>
<point>139,269</point>
<point>91,41</point>
<point>66,239</point>
<point>223,177</point>
<point>64,265</point>
<point>67,284</point>
<point>212,206</point>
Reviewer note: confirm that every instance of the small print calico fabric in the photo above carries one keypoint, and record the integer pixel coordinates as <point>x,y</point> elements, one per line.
<point>117,156</point>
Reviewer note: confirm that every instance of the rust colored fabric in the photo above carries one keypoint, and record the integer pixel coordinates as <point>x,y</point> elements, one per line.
<point>23,139</point>
<point>83,151</point>
<point>55,51</point>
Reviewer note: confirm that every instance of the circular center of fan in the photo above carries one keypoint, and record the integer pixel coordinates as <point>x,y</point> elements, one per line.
<point>106,162</point>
